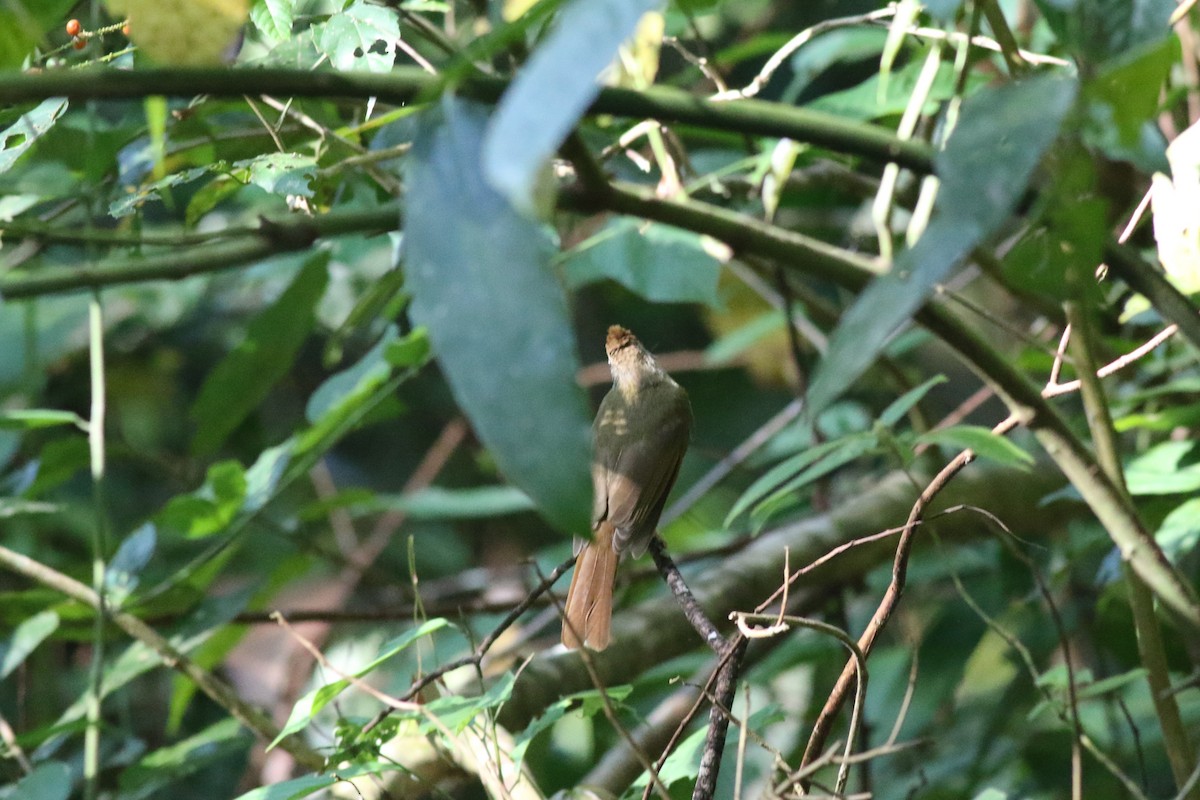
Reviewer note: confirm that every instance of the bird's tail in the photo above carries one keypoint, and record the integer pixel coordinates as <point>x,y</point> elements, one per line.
<point>588,616</point>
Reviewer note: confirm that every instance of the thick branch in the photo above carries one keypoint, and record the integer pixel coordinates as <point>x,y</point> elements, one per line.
<point>405,85</point>
<point>654,631</point>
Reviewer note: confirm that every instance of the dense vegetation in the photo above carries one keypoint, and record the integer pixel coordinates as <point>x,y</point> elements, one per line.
<point>303,307</point>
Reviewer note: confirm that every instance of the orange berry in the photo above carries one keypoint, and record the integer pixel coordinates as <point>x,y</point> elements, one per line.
<point>125,30</point>
<point>73,27</point>
<point>79,44</point>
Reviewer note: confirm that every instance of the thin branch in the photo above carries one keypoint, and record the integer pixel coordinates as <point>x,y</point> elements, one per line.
<point>217,690</point>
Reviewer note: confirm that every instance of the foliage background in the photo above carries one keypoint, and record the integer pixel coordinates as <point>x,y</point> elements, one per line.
<point>344,301</point>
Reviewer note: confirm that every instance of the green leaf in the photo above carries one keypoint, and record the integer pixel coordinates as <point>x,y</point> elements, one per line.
<point>210,508</point>
<point>25,639</point>
<point>683,764</point>
<point>134,198</point>
<point>152,773</point>
<point>137,659</point>
<point>274,19</point>
<point>841,47</point>
<point>1125,96</point>
<point>984,170</point>
<point>281,173</point>
<point>658,262</point>
<point>311,784</point>
<point>20,136</point>
<point>50,780</point>
<point>456,712</point>
<point>311,704</point>
<point>411,351</point>
<point>876,97</point>
<point>497,318</point>
<point>1169,468</point>
<point>238,384</point>
<point>29,419</point>
<point>731,345</point>
<point>372,369</point>
<point>902,404</point>
<point>362,36</point>
<point>852,448</point>
<point>122,572</point>
<point>1180,531</point>
<point>481,502</point>
<point>552,90</point>
<point>985,444</point>
<point>991,794</point>
<point>786,470</point>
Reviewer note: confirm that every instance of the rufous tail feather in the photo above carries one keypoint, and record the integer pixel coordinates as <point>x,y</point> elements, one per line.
<point>588,614</point>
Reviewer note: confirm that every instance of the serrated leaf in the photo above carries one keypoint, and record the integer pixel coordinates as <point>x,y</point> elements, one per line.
<point>984,170</point>
<point>985,444</point>
<point>552,90</point>
<point>658,262</point>
<point>497,318</point>
<point>25,639</point>
<point>241,381</point>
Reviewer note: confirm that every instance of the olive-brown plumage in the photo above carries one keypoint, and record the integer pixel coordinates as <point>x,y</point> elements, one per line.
<point>640,435</point>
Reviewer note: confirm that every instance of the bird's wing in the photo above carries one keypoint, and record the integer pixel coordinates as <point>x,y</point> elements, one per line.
<point>639,479</point>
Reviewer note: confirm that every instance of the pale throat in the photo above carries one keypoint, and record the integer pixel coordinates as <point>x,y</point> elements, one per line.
<point>631,374</point>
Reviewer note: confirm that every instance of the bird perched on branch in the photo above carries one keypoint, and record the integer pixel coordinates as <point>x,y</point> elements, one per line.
<point>640,435</point>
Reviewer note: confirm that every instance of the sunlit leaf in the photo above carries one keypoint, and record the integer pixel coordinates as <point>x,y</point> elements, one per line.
<point>1168,468</point>
<point>311,704</point>
<point>985,444</point>
<point>361,36</point>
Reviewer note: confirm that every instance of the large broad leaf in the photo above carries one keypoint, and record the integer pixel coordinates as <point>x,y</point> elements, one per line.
<point>661,263</point>
<point>497,318</point>
<point>243,379</point>
<point>984,170</point>
<point>553,89</point>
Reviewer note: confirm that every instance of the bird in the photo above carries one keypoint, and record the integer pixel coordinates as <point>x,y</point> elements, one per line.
<point>639,438</point>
